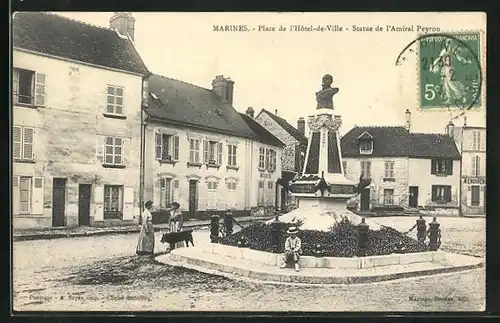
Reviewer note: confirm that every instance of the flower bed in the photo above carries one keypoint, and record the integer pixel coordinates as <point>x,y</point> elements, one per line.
<point>341,241</point>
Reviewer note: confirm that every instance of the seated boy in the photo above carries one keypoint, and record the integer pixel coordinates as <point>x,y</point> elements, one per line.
<point>292,249</point>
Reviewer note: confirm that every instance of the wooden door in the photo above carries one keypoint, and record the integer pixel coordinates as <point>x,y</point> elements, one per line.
<point>283,199</point>
<point>413,196</point>
<point>193,198</point>
<point>365,200</point>
<point>84,204</point>
<point>58,202</point>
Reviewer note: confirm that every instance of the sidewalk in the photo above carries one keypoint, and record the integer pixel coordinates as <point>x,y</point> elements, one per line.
<point>55,233</point>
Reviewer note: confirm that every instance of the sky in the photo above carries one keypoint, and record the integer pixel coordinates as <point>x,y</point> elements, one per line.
<point>282,70</point>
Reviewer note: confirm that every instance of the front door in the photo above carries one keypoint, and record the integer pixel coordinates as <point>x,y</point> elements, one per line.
<point>84,204</point>
<point>58,201</point>
<point>283,199</point>
<point>365,200</point>
<point>193,198</point>
<point>413,198</point>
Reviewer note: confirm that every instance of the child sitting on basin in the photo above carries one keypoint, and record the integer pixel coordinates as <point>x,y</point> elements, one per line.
<point>292,249</point>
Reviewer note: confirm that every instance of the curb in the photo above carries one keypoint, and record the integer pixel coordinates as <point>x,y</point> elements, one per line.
<point>132,229</point>
<point>213,268</point>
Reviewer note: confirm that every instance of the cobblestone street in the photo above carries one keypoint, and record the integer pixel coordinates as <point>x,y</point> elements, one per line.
<point>103,273</point>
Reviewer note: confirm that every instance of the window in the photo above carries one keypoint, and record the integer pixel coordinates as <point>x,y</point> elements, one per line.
<point>22,143</point>
<point>476,166</point>
<point>262,158</point>
<point>365,146</point>
<point>388,197</point>
<point>194,151</point>
<point>113,151</point>
<point>441,193</point>
<point>476,140</point>
<point>212,195</point>
<point>231,155</point>
<point>113,202</point>
<point>212,153</point>
<point>271,160</point>
<point>167,147</point>
<point>114,104</point>
<point>389,169</point>
<point>25,194</point>
<point>366,169</point>
<point>441,166</point>
<point>28,87</point>
<point>474,200</point>
<point>231,186</point>
<point>166,192</point>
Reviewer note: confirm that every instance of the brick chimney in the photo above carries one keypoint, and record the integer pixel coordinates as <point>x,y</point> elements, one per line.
<point>450,128</point>
<point>223,88</point>
<point>124,23</point>
<point>408,120</point>
<point>301,126</point>
<point>250,112</point>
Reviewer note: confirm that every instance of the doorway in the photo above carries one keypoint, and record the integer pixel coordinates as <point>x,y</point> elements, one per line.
<point>84,204</point>
<point>193,198</point>
<point>58,201</point>
<point>413,197</point>
<point>365,200</point>
<point>283,199</point>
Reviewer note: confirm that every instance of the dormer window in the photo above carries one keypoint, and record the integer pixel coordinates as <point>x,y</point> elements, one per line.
<point>366,147</point>
<point>365,143</point>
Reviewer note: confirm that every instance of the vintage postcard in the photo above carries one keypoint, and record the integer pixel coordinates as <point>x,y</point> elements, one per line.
<point>249,161</point>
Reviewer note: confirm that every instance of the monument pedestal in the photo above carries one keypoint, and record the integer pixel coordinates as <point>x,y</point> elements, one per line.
<point>322,189</point>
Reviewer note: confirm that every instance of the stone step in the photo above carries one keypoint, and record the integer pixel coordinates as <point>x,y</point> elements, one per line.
<point>195,259</point>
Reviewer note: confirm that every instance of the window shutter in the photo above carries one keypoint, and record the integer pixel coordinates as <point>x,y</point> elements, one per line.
<point>219,153</point>
<point>176,148</point>
<point>15,195</point>
<point>158,145</point>
<point>481,142</point>
<point>28,134</point>
<point>449,167</point>
<point>125,151</point>
<point>16,142</point>
<point>369,169</point>
<point>448,193</point>
<point>128,203</point>
<point>433,166</point>
<point>99,201</point>
<point>205,151</point>
<point>37,196</point>
<point>434,192</point>
<point>175,192</point>
<point>473,166</point>
<point>40,92</point>
<point>481,167</point>
<point>15,86</point>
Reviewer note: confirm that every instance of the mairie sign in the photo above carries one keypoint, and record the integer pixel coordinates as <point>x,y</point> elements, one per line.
<point>474,180</point>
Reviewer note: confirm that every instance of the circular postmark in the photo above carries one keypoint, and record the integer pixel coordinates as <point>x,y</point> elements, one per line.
<point>449,71</point>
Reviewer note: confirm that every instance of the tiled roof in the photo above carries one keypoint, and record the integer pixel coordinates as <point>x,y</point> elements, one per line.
<point>177,102</point>
<point>398,142</point>
<point>264,135</point>
<point>288,127</point>
<point>59,36</point>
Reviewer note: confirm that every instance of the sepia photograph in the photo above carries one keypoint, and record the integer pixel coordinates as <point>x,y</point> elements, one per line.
<point>242,162</point>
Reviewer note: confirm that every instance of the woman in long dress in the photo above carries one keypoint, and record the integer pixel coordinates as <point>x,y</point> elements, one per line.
<point>452,90</point>
<point>176,222</point>
<point>146,243</point>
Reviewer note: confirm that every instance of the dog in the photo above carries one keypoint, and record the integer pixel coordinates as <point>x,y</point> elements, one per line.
<point>173,237</point>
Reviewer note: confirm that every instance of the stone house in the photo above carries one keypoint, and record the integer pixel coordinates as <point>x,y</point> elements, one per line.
<point>471,142</point>
<point>76,121</point>
<point>409,171</point>
<point>294,152</point>
<point>202,153</point>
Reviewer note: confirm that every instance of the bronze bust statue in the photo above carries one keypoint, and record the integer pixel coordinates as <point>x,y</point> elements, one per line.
<point>325,96</point>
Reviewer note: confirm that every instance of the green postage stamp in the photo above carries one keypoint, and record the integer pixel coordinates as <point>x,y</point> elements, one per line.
<point>450,71</point>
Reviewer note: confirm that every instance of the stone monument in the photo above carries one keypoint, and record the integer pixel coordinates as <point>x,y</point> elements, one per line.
<point>322,187</point>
